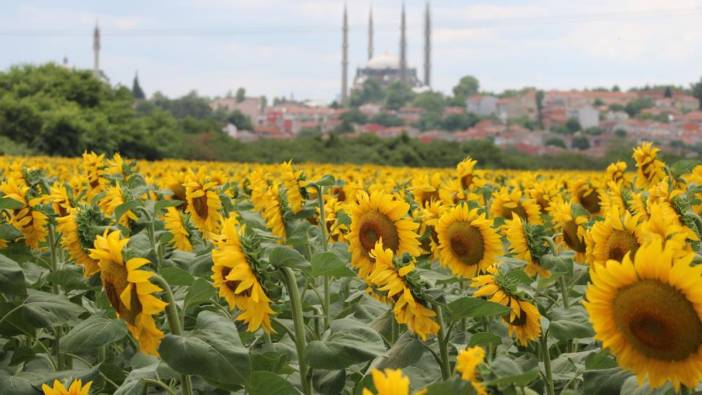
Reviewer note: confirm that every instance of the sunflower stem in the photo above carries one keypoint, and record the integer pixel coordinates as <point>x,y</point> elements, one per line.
<point>174,324</point>
<point>564,291</point>
<point>326,302</point>
<point>58,331</point>
<point>543,343</point>
<point>298,321</point>
<point>443,344</point>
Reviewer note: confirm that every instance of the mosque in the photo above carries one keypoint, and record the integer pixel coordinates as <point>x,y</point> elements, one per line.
<point>387,68</point>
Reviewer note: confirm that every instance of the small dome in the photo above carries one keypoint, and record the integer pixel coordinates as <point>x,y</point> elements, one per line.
<point>384,61</point>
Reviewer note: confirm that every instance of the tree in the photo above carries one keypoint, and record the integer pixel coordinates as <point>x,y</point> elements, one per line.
<point>430,102</point>
<point>580,142</point>
<point>240,95</point>
<point>397,95</point>
<point>353,116</point>
<point>668,92</point>
<point>467,86</point>
<point>573,125</point>
<point>137,92</point>
<point>555,142</point>
<point>370,92</point>
<point>616,88</point>
<point>634,107</point>
<point>696,89</point>
<point>240,120</point>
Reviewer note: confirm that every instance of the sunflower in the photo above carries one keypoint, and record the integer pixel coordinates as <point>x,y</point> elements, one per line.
<point>60,200</point>
<point>615,172</point>
<point>524,319</point>
<point>273,213</point>
<point>203,205</point>
<point>544,193</point>
<point>233,275</point>
<point>616,236</point>
<point>391,283</point>
<point>570,222</point>
<point>175,224</point>
<point>425,189</point>
<point>465,172</point>
<point>586,193</point>
<point>69,227</point>
<point>336,230</point>
<point>663,223</point>
<point>428,218</point>
<point>467,362</point>
<point>506,202</point>
<point>522,246</point>
<point>389,382</point>
<point>76,388</point>
<point>467,241</point>
<point>291,180</point>
<point>647,310</point>
<point>380,216</point>
<point>114,198</point>
<point>27,219</point>
<point>129,290</point>
<point>94,170</point>
<point>650,170</point>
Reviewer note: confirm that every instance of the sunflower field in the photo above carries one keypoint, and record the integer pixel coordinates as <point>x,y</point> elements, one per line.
<point>173,277</point>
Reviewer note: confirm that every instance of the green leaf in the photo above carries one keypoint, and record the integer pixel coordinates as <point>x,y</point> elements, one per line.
<point>7,203</point>
<point>451,387</point>
<point>161,204</point>
<point>213,350</point>
<point>600,360</point>
<point>69,277</point>
<point>267,383</point>
<point>133,383</point>
<point>9,232</point>
<point>125,207</point>
<point>469,307</point>
<point>329,382</point>
<point>406,351</point>
<point>93,333</point>
<point>12,385</point>
<point>201,291</point>
<point>484,339</point>
<point>176,276</point>
<point>11,277</point>
<point>604,381</point>
<point>43,310</point>
<point>570,324</point>
<point>284,256</point>
<point>350,342</point>
<point>683,166</point>
<point>519,380</point>
<point>329,264</point>
<point>326,181</point>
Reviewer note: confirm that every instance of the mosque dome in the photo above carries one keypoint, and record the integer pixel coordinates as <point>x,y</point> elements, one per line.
<point>384,61</point>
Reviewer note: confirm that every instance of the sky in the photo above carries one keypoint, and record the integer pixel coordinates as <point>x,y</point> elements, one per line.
<point>293,47</point>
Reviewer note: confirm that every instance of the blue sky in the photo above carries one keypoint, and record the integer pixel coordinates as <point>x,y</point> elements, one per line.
<point>279,47</point>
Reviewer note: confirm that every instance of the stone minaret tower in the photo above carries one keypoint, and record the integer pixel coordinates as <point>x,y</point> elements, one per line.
<point>427,47</point>
<point>96,51</point>
<point>344,58</point>
<point>370,34</point>
<point>403,47</point>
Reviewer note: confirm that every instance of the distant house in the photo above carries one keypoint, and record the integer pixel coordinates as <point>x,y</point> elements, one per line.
<point>482,105</point>
<point>588,116</point>
<point>252,107</point>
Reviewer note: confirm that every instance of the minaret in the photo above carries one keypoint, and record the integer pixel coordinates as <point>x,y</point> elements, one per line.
<point>370,34</point>
<point>344,59</point>
<point>427,47</point>
<point>96,51</point>
<point>403,47</point>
